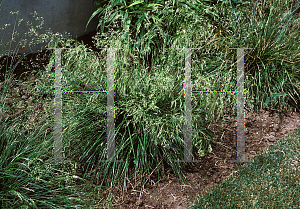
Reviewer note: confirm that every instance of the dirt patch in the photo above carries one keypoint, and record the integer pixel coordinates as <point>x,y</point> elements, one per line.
<point>262,130</point>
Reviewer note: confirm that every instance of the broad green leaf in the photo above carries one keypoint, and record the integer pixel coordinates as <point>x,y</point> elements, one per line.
<point>275,95</point>
<point>135,3</point>
<point>139,23</point>
<point>174,2</point>
<point>155,18</point>
<point>120,8</point>
<point>99,11</point>
<point>266,102</point>
<point>151,5</point>
<point>137,12</point>
<point>126,16</point>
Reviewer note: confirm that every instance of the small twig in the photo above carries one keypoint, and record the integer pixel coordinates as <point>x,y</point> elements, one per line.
<point>228,129</point>
<point>172,196</point>
<point>222,135</point>
<point>186,186</point>
<point>219,143</point>
<point>152,172</point>
<point>130,182</point>
<point>136,191</point>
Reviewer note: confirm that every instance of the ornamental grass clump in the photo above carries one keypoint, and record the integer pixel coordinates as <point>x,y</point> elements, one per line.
<point>149,118</point>
<point>149,98</point>
<point>28,176</point>
<point>271,29</point>
<point>148,105</point>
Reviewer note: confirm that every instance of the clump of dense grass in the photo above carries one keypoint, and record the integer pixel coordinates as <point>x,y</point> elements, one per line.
<point>149,105</point>
<point>28,180</point>
<point>271,28</point>
<point>272,72</point>
<point>28,177</point>
<point>149,102</point>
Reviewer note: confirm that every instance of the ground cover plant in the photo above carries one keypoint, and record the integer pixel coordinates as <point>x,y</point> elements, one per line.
<point>28,179</point>
<point>149,98</point>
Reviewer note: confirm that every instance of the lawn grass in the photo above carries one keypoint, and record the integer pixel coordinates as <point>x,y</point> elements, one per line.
<point>271,181</point>
<point>149,105</point>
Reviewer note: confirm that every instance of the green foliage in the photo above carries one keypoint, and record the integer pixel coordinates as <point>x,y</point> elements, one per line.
<point>149,120</point>
<point>274,96</point>
<point>136,15</point>
<point>27,178</point>
<point>272,65</point>
<point>149,105</point>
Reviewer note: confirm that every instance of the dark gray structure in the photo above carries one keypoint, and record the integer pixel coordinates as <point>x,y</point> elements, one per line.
<point>62,16</point>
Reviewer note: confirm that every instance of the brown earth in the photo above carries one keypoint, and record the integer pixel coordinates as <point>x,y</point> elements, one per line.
<point>262,130</point>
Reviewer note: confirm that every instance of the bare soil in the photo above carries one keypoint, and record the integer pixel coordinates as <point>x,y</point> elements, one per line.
<point>262,130</point>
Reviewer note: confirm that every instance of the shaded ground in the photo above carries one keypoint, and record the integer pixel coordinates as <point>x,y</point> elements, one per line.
<point>262,130</point>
